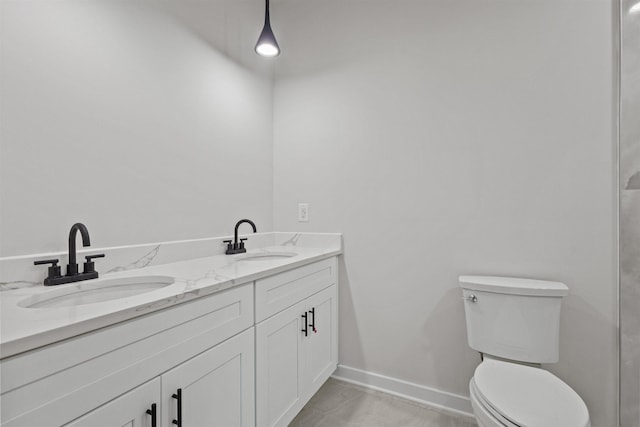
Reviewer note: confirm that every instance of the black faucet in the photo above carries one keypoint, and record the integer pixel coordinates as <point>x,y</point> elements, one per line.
<point>55,277</point>
<point>238,247</point>
<point>72,267</point>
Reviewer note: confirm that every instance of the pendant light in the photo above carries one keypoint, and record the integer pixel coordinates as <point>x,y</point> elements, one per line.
<point>267,44</point>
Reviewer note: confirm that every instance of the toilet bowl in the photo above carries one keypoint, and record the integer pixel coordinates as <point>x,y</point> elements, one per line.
<point>514,323</point>
<point>507,394</point>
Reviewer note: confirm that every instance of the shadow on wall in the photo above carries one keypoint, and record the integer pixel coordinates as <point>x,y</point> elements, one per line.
<point>348,321</point>
<point>230,27</point>
<point>581,325</point>
<point>444,333</point>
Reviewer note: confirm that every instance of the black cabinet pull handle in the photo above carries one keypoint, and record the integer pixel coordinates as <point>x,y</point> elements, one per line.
<point>154,415</point>
<point>178,396</point>
<point>313,320</point>
<point>305,329</point>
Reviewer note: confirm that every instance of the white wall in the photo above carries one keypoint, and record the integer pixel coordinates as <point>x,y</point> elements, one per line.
<point>442,137</point>
<point>446,138</point>
<point>130,117</point>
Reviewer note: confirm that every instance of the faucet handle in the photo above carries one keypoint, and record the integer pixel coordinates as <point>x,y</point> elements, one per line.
<point>241,244</point>
<point>229,244</point>
<point>53,262</point>
<point>89,265</point>
<point>53,272</point>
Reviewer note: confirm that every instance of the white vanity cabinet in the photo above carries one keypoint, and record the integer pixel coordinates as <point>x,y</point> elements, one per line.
<point>296,339</point>
<point>205,347</point>
<point>248,356</point>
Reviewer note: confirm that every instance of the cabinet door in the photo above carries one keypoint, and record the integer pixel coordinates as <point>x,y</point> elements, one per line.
<point>321,346</point>
<point>216,387</point>
<point>128,410</point>
<point>279,364</point>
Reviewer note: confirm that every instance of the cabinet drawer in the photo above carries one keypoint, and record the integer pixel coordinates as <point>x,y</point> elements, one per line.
<point>130,409</point>
<point>64,380</point>
<point>275,293</point>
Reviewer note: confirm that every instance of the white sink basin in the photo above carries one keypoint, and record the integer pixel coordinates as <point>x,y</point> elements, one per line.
<point>96,291</point>
<point>266,256</point>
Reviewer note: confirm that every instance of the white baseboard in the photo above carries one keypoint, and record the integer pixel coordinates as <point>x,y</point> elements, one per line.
<point>453,404</point>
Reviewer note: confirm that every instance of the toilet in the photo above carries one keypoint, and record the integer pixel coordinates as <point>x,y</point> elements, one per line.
<point>514,323</point>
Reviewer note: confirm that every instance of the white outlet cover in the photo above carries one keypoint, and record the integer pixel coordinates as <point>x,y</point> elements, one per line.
<point>303,212</point>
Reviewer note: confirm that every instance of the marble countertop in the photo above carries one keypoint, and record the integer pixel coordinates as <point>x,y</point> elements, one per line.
<point>23,329</point>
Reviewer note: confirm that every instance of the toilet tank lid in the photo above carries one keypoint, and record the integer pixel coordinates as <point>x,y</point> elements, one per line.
<point>513,286</point>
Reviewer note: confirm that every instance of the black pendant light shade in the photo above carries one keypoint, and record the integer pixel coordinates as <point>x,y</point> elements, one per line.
<point>267,44</point>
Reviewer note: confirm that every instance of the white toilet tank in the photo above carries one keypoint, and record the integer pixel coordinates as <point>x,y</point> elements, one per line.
<point>516,319</point>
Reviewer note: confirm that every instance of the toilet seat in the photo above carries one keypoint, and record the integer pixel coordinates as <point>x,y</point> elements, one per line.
<point>486,416</point>
<point>524,396</point>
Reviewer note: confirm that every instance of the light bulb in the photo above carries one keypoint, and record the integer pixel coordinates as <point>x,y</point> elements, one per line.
<point>267,49</point>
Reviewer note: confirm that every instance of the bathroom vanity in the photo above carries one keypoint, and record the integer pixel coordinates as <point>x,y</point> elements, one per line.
<point>246,343</point>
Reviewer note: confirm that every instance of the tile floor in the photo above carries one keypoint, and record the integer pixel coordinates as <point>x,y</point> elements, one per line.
<point>341,404</point>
